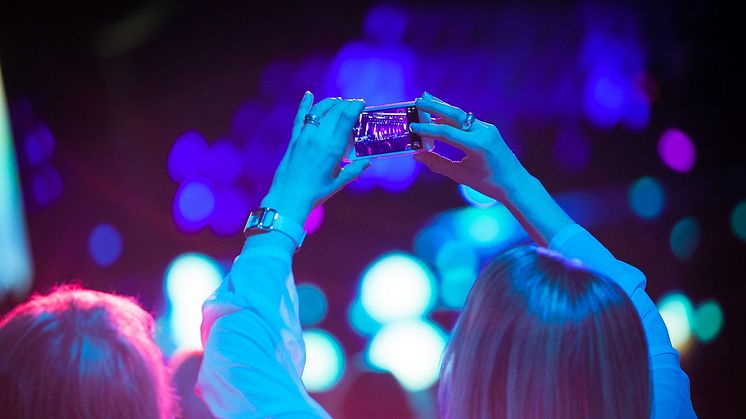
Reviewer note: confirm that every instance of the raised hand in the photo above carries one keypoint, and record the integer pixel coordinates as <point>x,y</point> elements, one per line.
<point>489,166</point>
<point>309,173</point>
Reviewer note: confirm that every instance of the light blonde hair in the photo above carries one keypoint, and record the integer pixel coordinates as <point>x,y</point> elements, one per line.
<point>543,337</point>
<point>78,353</point>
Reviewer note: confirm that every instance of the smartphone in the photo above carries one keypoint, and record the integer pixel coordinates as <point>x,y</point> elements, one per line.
<point>383,131</point>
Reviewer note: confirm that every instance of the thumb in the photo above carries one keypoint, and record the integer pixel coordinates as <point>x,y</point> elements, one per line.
<point>438,164</point>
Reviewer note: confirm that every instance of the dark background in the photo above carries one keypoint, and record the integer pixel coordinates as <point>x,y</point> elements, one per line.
<point>115,112</point>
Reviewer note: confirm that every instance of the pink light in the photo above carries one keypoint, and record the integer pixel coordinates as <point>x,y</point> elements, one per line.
<point>677,150</point>
<point>315,219</point>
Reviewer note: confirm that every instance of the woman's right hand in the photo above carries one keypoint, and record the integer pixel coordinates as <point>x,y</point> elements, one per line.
<point>489,166</point>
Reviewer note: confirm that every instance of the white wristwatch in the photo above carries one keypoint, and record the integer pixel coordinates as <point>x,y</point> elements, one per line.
<point>264,220</point>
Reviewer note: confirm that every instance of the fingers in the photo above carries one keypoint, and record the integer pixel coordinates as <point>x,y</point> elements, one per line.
<point>439,164</point>
<point>321,109</point>
<point>450,115</point>
<point>348,118</point>
<point>446,133</point>
<point>323,106</point>
<point>303,108</point>
<point>329,121</point>
<point>343,129</point>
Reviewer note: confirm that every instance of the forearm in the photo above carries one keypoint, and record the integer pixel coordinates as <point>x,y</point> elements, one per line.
<point>533,206</point>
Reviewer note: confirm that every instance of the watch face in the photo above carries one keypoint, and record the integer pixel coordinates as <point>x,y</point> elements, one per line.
<point>268,218</point>
<point>262,219</point>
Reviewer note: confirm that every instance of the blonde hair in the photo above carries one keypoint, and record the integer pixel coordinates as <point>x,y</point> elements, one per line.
<point>542,336</point>
<point>77,353</point>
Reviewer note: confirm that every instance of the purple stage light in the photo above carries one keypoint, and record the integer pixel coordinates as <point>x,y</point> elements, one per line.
<point>187,155</point>
<point>39,145</point>
<point>47,185</point>
<point>194,202</point>
<point>315,219</point>
<point>677,150</point>
<point>230,213</point>
<point>392,174</point>
<point>224,162</point>
<point>105,244</point>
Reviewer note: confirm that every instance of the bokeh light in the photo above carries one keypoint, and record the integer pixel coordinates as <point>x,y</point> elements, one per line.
<point>676,150</point>
<point>223,162</point>
<point>492,227</point>
<point>194,202</point>
<point>190,278</point>
<point>605,96</point>
<point>325,360</point>
<point>708,321</point>
<point>738,220</point>
<point>677,313</point>
<point>187,156</point>
<point>105,244</point>
<point>392,174</point>
<point>411,351</point>
<point>312,304</point>
<point>396,286</point>
<point>457,267</point>
<point>230,212</point>
<point>684,238</point>
<point>359,319</point>
<point>474,198</point>
<point>39,145</point>
<point>646,197</point>
<point>47,186</point>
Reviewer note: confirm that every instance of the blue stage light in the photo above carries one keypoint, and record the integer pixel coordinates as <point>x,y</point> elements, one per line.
<point>397,286</point>
<point>646,197</point>
<point>325,360</point>
<point>708,321</point>
<point>677,313</point>
<point>193,204</point>
<point>684,238</point>
<point>105,244</point>
<point>187,156</point>
<point>738,220</point>
<point>189,280</point>
<point>411,350</point>
<point>312,304</point>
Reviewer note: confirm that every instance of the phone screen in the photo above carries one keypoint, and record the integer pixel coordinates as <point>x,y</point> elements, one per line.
<point>386,130</point>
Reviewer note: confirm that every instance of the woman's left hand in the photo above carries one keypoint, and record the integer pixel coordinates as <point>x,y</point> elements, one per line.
<point>310,173</point>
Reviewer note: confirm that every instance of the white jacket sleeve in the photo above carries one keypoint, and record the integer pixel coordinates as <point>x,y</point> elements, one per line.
<point>671,398</point>
<point>254,351</point>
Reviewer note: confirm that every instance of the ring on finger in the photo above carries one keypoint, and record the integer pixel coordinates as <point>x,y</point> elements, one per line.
<point>312,118</point>
<point>468,121</point>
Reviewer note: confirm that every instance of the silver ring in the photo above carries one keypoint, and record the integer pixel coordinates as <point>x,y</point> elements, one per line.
<point>312,118</point>
<point>468,121</point>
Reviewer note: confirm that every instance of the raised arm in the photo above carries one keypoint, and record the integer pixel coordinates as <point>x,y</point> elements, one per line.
<point>254,351</point>
<point>491,168</point>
